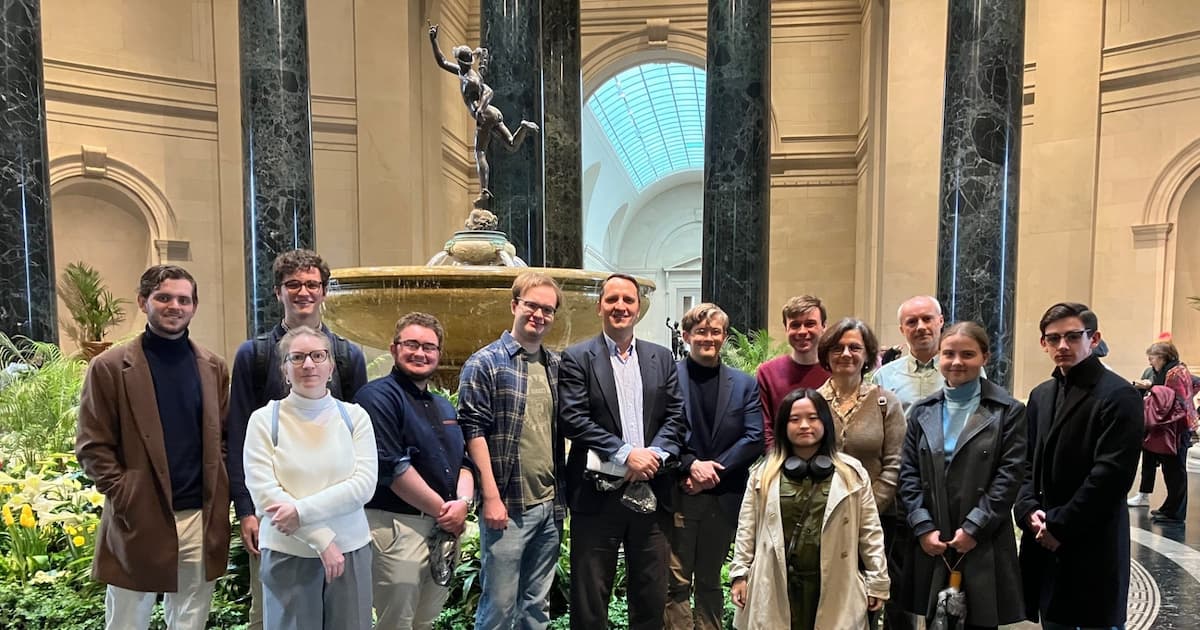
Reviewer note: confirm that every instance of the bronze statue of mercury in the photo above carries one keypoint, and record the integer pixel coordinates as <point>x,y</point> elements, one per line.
<point>470,64</point>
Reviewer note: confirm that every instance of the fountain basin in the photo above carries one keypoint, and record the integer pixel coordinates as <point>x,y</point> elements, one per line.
<point>473,304</point>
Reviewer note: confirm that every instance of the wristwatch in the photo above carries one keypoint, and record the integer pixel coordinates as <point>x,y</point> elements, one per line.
<point>470,501</point>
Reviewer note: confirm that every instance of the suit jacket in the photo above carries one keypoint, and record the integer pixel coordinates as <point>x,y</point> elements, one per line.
<point>1081,461</point>
<point>590,414</point>
<point>736,440</point>
<point>119,443</point>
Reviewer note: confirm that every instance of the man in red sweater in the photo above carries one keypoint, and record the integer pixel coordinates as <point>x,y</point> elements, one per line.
<point>804,321</point>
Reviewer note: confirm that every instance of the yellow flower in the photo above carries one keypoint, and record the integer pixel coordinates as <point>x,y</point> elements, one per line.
<point>78,541</point>
<point>8,516</point>
<point>91,527</point>
<point>71,530</point>
<point>95,498</point>
<point>27,519</point>
<point>6,488</point>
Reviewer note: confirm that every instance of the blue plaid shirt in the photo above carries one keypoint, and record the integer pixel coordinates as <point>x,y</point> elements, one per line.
<point>491,405</point>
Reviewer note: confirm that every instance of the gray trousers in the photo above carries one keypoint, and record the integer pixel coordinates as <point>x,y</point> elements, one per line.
<point>296,597</point>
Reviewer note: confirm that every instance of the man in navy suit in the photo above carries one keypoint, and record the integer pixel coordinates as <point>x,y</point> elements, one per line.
<point>725,438</point>
<point>619,399</point>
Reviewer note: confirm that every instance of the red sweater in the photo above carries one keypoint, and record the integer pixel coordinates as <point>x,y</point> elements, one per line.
<point>776,379</point>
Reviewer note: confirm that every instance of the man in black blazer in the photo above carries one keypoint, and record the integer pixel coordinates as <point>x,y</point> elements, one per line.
<point>619,398</point>
<point>724,439</point>
<point>1085,438</point>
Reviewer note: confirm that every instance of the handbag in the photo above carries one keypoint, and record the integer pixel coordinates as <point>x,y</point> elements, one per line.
<point>1165,418</point>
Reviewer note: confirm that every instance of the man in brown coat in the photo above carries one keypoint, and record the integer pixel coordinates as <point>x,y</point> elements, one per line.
<point>150,436</point>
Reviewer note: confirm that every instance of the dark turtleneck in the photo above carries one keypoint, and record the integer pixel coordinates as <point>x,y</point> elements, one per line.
<point>703,394</point>
<point>178,395</point>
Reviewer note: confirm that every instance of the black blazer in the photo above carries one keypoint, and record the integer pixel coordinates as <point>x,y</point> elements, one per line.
<point>1081,461</point>
<point>590,416</point>
<point>736,441</point>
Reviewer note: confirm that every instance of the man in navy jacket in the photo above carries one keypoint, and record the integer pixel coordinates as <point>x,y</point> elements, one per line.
<point>724,439</point>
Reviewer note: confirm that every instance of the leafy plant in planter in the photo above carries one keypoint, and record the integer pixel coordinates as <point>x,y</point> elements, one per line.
<point>747,351</point>
<point>39,400</point>
<point>94,309</point>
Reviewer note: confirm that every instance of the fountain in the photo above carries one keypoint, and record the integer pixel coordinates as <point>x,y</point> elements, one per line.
<point>467,285</point>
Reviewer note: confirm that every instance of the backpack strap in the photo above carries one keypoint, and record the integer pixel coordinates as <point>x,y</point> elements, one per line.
<point>274,423</point>
<point>345,416</point>
<point>262,351</point>
<point>342,366</point>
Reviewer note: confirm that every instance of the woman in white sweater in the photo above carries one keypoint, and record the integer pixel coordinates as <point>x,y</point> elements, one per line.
<point>310,466</point>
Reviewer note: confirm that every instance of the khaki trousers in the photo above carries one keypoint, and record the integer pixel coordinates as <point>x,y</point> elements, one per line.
<point>186,609</point>
<point>404,593</point>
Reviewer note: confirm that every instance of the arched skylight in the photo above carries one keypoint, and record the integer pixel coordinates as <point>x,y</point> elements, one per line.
<point>653,115</point>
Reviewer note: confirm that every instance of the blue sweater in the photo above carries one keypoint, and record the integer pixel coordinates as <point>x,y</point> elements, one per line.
<point>961,402</point>
<point>180,406</point>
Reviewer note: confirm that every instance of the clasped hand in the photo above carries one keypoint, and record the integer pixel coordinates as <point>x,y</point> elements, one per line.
<point>1037,522</point>
<point>642,464</point>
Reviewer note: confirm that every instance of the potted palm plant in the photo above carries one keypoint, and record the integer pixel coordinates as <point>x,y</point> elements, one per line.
<point>94,309</point>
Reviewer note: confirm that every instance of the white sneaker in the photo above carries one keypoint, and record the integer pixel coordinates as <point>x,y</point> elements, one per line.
<point>1139,499</point>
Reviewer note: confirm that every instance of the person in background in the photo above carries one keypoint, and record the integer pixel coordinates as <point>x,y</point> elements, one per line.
<point>915,376</point>
<point>1166,370</point>
<point>301,279</point>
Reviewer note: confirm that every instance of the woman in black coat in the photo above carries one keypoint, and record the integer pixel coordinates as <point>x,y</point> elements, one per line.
<point>963,463</point>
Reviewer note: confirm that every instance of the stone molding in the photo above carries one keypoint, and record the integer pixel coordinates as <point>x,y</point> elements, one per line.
<point>1154,234</point>
<point>1151,72</point>
<point>115,98</point>
<point>95,164</point>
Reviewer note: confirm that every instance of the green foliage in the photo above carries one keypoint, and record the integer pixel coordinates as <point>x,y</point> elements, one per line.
<point>747,351</point>
<point>49,607</point>
<point>93,308</point>
<point>452,396</point>
<point>39,401</point>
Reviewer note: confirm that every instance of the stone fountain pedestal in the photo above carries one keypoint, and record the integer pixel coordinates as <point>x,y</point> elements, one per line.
<point>472,302</point>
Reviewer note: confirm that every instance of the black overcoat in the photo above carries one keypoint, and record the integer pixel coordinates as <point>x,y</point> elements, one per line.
<point>1082,461</point>
<point>974,490</point>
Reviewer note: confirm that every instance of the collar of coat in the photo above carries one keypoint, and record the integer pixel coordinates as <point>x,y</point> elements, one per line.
<point>987,391</point>
<point>1086,373</point>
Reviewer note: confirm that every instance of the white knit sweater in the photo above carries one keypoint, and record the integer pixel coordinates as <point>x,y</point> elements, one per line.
<point>318,466</point>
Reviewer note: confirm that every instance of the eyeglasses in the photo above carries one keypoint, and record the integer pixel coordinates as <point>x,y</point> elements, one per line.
<point>1071,336</point>
<point>295,285</point>
<point>533,307</point>
<point>853,348</point>
<point>317,356</point>
<point>413,345</point>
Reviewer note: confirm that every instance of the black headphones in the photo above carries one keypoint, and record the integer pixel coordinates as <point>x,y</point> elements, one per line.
<point>820,467</point>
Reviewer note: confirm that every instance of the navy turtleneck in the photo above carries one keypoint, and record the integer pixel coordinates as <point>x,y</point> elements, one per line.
<point>178,395</point>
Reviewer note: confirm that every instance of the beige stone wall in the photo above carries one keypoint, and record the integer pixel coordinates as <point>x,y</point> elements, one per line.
<point>145,145</point>
<point>144,132</point>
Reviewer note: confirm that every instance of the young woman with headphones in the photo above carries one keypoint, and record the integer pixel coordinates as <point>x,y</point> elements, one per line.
<point>809,549</point>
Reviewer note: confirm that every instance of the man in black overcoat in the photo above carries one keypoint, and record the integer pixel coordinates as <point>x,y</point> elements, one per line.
<point>1085,437</point>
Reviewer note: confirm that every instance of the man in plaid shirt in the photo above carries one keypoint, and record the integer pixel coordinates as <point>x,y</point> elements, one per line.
<point>507,407</point>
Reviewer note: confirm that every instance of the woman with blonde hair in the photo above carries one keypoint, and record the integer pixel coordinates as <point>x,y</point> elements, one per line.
<point>311,464</point>
<point>809,550</point>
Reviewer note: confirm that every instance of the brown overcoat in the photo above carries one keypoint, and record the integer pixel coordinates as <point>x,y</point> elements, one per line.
<point>119,443</point>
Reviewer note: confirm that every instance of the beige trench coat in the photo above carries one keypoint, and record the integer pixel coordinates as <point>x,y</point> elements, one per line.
<point>849,531</point>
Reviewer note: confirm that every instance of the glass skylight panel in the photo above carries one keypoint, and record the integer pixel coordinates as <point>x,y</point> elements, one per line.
<point>653,115</point>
